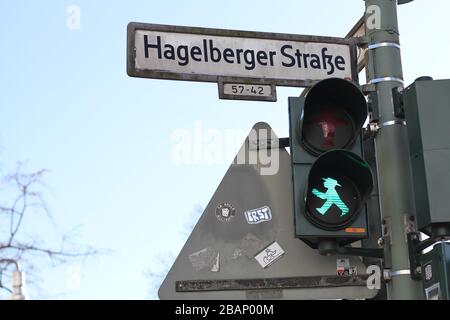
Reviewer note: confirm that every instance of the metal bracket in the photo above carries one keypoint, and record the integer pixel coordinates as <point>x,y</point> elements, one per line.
<point>397,96</point>
<point>389,274</point>
<point>414,255</point>
<point>392,123</point>
<point>371,130</point>
<point>386,240</point>
<point>362,252</point>
<point>373,104</point>
<point>387,79</point>
<point>415,248</point>
<point>265,144</point>
<point>332,247</point>
<point>368,88</point>
<point>383,45</point>
<point>284,142</point>
<point>362,42</point>
<point>373,127</point>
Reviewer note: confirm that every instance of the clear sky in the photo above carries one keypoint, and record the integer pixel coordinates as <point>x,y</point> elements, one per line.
<point>67,104</point>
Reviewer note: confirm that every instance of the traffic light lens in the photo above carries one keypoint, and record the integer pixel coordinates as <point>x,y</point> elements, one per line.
<point>327,127</point>
<point>333,201</point>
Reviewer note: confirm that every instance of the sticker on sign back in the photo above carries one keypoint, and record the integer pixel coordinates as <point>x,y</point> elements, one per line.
<point>255,216</point>
<point>269,255</point>
<point>344,269</point>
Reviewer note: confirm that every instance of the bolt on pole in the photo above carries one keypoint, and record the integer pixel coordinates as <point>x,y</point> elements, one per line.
<point>391,145</point>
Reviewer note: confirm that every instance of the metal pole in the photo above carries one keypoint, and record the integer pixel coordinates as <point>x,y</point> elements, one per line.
<point>18,281</point>
<point>394,175</point>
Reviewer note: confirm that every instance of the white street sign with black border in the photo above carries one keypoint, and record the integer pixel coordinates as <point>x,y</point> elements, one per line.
<point>244,58</point>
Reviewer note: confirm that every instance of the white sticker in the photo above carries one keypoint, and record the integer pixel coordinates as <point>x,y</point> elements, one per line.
<point>215,267</point>
<point>225,212</point>
<point>433,292</point>
<point>206,258</point>
<point>343,267</point>
<point>428,272</point>
<point>258,215</point>
<point>269,255</point>
<point>353,271</point>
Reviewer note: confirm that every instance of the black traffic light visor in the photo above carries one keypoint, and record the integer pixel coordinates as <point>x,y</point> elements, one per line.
<point>334,112</point>
<point>339,184</point>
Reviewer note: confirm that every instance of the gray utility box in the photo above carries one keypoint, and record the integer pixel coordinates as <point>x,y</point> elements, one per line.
<point>436,272</point>
<point>427,110</point>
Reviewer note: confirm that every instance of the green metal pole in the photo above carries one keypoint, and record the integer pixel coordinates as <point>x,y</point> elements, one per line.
<point>394,175</point>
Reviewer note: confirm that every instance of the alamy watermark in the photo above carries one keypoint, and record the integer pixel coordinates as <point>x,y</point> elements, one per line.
<point>373,281</point>
<point>373,17</point>
<point>73,20</point>
<point>73,277</point>
<point>210,146</point>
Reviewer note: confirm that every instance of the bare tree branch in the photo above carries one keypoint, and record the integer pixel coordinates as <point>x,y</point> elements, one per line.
<point>2,286</point>
<point>164,260</point>
<point>24,197</point>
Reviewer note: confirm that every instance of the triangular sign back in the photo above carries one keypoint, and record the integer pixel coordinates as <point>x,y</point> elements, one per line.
<point>243,246</point>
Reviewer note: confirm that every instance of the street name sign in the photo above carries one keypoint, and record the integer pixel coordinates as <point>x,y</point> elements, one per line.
<point>243,57</point>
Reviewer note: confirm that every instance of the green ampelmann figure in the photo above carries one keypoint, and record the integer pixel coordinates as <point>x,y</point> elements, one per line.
<point>331,196</point>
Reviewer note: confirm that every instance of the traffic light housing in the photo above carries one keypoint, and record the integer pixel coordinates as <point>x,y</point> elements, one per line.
<point>331,181</point>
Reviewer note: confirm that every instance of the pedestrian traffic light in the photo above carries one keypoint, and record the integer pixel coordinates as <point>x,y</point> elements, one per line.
<point>331,181</point>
